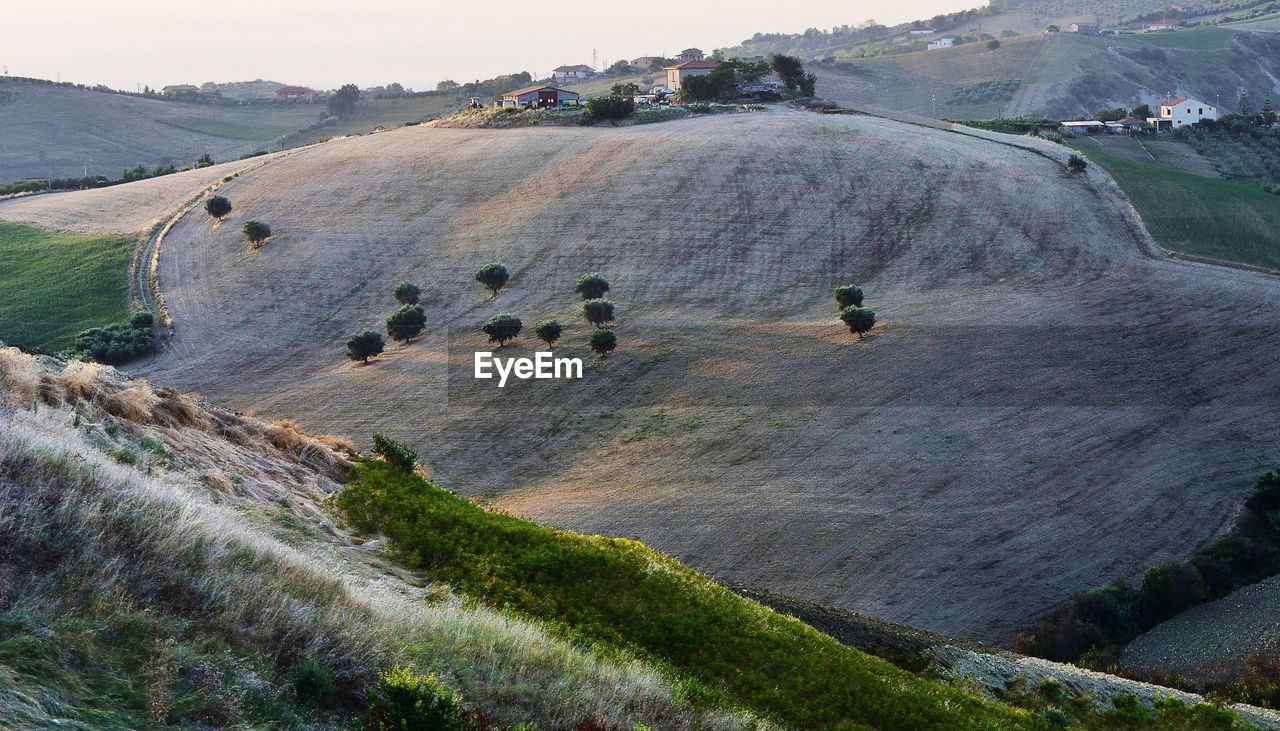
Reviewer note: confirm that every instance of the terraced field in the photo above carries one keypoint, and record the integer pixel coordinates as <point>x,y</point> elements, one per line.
<point>1042,408</point>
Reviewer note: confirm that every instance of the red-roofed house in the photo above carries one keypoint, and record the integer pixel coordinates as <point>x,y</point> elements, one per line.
<point>676,74</point>
<point>540,96</point>
<point>1181,112</point>
<point>573,73</point>
<point>295,92</point>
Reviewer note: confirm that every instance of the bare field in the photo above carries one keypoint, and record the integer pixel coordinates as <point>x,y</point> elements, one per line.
<point>1047,404</point>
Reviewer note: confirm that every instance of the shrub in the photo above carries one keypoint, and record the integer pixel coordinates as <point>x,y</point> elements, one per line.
<point>397,454</point>
<point>494,276</point>
<point>407,701</point>
<point>501,328</point>
<point>610,108</point>
<point>1168,589</point>
<point>848,295</point>
<point>1076,164</point>
<point>256,232</point>
<point>859,319</point>
<point>407,293</point>
<point>1266,495</point>
<point>114,344</point>
<point>407,322</point>
<point>591,286</point>
<point>313,683</point>
<point>1056,716</point>
<point>597,311</point>
<point>142,318</point>
<point>365,345</point>
<point>548,331</point>
<point>218,207</point>
<point>603,341</point>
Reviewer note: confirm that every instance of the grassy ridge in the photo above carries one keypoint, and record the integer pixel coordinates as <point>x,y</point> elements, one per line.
<point>1198,215</point>
<point>56,285</point>
<point>619,592</point>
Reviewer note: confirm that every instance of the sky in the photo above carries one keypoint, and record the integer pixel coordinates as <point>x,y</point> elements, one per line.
<point>326,43</point>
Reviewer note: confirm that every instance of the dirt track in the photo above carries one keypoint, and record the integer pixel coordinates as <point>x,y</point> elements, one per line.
<point>1045,407</point>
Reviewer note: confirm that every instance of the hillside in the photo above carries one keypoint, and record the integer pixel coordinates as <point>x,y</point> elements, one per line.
<point>994,447</point>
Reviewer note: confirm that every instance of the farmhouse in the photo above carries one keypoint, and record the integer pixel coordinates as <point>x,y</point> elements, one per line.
<point>1131,124</point>
<point>295,92</point>
<point>1086,29</point>
<point>539,97</point>
<point>676,74</point>
<point>941,43</point>
<point>1161,27</point>
<point>177,89</point>
<point>646,62</point>
<point>691,54</point>
<point>1181,112</point>
<point>921,32</point>
<point>575,72</point>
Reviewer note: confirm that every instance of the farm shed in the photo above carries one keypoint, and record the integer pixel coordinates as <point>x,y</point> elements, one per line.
<point>539,97</point>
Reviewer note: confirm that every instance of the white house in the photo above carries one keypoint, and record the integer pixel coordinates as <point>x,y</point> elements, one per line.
<point>1181,112</point>
<point>575,72</point>
<point>941,43</point>
<point>1161,27</point>
<point>921,32</point>
<point>681,71</point>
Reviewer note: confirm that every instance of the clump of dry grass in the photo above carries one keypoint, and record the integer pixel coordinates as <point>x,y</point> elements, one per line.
<point>20,378</point>
<point>81,379</point>
<point>135,402</point>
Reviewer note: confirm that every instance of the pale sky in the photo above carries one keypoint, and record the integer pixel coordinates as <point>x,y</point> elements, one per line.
<point>325,43</point>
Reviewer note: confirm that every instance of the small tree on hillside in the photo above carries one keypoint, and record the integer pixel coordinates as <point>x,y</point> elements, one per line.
<point>859,319</point>
<point>204,160</point>
<point>591,286</point>
<point>343,101</point>
<point>1077,164</point>
<point>406,323</point>
<point>501,328</point>
<point>603,342</point>
<point>610,108</point>
<point>494,276</point>
<point>256,232</point>
<point>548,331</point>
<point>597,311</point>
<point>1142,111</point>
<point>218,207</point>
<point>365,345</point>
<point>993,44</point>
<point>790,70</point>
<point>397,454</point>
<point>407,293</point>
<point>848,295</point>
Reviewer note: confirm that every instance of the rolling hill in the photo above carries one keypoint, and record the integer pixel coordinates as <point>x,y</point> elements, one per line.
<point>1041,409</point>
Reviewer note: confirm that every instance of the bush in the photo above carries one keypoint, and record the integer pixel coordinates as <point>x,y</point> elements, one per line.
<point>1168,589</point>
<point>591,286</point>
<point>1077,164</point>
<point>397,454</point>
<point>1266,495</point>
<point>406,701</point>
<point>548,331</point>
<point>848,295</point>
<point>494,276</point>
<point>142,318</point>
<point>610,108</point>
<point>218,207</point>
<point>407,293</point>
<point>501,328</point>
<point>603,341</point>
<point>256,232</point>
<point>114,344</point>
<point>597,311</point>
<point>313,683</point>
<point>365,345</point>
<point>407,322</point>
<point>859,319</point>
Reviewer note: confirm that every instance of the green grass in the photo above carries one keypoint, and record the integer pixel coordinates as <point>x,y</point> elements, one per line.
<point>1193,214</point>
<point>621,594</point>
<point>53,285</point>
<point>1192,39</point>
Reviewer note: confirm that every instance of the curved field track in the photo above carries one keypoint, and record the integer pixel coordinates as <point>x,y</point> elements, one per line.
<point>1045,406</point>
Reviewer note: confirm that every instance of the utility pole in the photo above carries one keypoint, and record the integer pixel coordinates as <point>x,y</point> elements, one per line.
<point>595,65</point>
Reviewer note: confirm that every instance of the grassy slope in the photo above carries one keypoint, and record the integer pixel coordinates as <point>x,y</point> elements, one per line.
<point>1198,215</point>
<point>619,592</point>
<point>59,284</point>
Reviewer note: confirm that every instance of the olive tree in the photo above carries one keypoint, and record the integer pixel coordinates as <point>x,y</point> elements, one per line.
<point>407,293</point>
<point>218,207</point>
<point>363,346</point>
<point>603,341</point>
<point>591,286</point>
<point>548,331</point>
<point>256,232</point>
<point>848,295</point>
<point>597,311</point>
<point>859,319</point>
<point>407,322</point>
<point>501,328</point>
<point>494,276</point>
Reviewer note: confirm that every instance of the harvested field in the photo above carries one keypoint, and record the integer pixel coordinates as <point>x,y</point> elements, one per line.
<point>1043,407</point>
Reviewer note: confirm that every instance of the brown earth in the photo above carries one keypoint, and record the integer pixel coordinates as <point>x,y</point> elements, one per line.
<point>1048,403</point>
